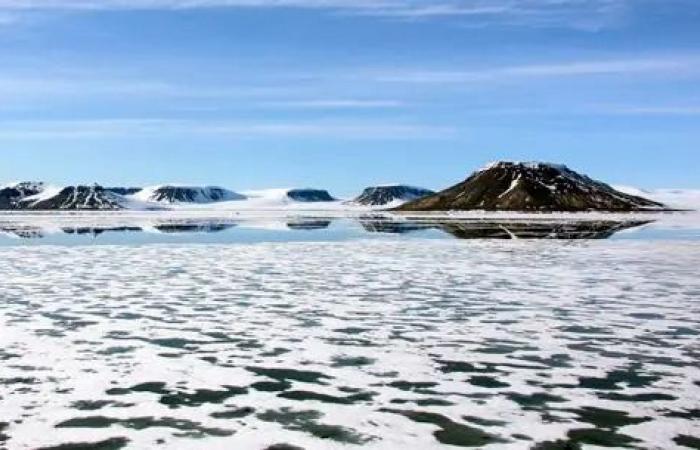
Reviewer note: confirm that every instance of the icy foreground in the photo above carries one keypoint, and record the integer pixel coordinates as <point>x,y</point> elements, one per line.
<point>404,344</point>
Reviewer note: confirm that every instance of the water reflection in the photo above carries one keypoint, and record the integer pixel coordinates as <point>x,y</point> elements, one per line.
<point>309,224</point>
<point>506,229</point>
<point>323,228</point>
<point>96,231</point>
<point>193,227</point>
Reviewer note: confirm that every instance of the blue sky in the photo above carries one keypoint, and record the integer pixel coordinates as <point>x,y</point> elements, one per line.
<point>341,94</point>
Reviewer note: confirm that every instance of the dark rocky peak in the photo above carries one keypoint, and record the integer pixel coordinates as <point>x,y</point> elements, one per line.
<point>80,197</point>
<point>12,195</point>
<point>514,186</point>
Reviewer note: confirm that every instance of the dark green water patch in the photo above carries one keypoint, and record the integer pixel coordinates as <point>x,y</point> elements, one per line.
<point>305,376</point>
<point>534,401</point>
<point>607,418</point>
<point>202,396</point>
<point>690,414</point>
<point>644,397</point>
<point>484,422</point>
<point>351,342</point>
<point>352,361</point>
<point>412,386</point>
<point>450,432</point>
<point>308,422</point>
<point>3,437</point>
<point>687,441</point>
<point>115,350</point>
<point>646,316</point>
<point>486,382</point>
<point>234,413</point>
<point>352,330</point>
<point>5,355</point>
<point>271,386</point>
<point>503,349</point>
<point>194,429</point>
<point>580,329</point>
<point>154,387</point>
<point>115,443</point>
<point>602,438</point>
<point>556,445</point>
<point>465,367</point>
<point>283,447</point>
<point>277,351</point>
<point>94,405</point>
<point>423,402</point>
<point>630,376</point>
<point>18,380</point>
<point>325,398</point>
<point>559,360</point>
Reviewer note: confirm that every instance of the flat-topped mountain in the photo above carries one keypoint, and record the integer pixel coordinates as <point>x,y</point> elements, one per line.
<point>390,194</point>
<point>186,194</point>
<point>514,186</point>
<point>310,195</point>
<point>93,197</point>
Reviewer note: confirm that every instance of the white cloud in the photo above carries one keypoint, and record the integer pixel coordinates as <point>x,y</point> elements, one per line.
<point>649,110</point>
<point>334,104</point>
<point>577,13</point>
<point>103,128</point>
<point>669,66</point>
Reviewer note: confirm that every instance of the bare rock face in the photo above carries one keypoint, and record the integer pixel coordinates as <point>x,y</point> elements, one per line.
<point>512,186</point>
<point>79,198</point>
<point>12,196</point>
<point>386,195</point>
<point>193,194</point>
<point>310,195</point>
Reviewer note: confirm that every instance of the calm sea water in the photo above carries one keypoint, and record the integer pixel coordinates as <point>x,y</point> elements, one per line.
<point>140,231</point>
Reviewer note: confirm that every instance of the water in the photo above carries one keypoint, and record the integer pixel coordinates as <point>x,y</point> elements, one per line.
<point>114,230</point>
<point>358,334</point>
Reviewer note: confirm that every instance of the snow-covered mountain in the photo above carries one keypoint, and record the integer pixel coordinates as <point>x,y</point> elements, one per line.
<point>515,186</point>
<point>174,194</point>
<point>93,197</point>
<point>38,196</point>
<point>287,199</point>
<point>390,195</point>
<point>11,195</point>
<point>504,186</point>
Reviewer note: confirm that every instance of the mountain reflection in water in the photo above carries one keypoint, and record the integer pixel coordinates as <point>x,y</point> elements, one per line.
<point>508,229</point>
<point>336,228</point>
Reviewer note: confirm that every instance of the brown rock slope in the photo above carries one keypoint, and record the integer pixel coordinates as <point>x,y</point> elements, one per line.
<point>511,186</point>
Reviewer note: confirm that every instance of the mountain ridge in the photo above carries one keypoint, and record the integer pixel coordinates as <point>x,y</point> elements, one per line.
<point>502,185</point>
<point>531,186</point>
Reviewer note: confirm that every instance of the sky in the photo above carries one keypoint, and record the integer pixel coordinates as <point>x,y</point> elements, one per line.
<point>343,94</point>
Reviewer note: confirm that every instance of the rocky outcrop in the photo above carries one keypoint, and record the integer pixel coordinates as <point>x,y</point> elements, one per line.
<point>189,194</point>
<point>390,194</point>
<point>11,196</point>
<point>77,198</point>
<point>511,186</point>
<point>310,195</point>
